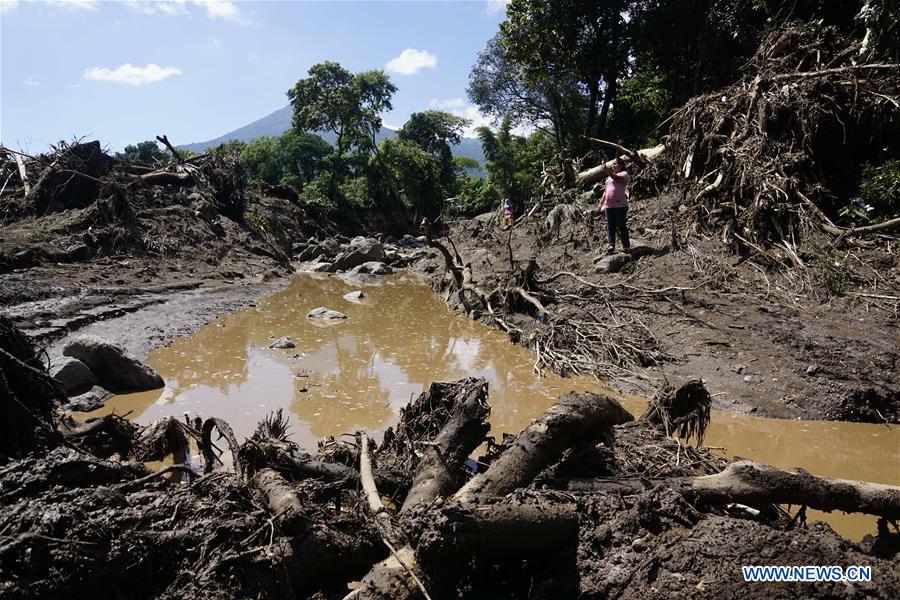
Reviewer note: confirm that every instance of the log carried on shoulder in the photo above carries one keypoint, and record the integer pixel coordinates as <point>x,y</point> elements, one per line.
<point>595,174</point>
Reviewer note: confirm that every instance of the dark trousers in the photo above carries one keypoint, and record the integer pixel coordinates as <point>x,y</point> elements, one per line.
<point>617,220</point>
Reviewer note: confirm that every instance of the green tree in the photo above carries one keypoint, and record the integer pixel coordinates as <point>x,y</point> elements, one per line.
<point>435,132</point>
<point>349,105</point>
<point>303,155</point>
<point>145,153</point>
<point>584,40</point>
<point>498,88</point>
<point>408,177</point>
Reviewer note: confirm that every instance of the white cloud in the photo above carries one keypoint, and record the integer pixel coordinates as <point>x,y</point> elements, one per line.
<point>32,81</point>
<point>461,108</point>
<point>495,7</point>
<point>223,9</point>
<point>214,42</point>
<point>411,61</point>
<point>8,5</point>
<point>162,7</point>
<point>73,86</point>
<point>215,9</point>
<point>130,74</point>
<point>77,4</point>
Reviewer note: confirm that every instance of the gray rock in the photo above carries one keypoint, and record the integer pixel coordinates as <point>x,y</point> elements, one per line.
<point>283,342</point>
<point>329,247</point>
<point>76,252</point>
<point>641,250</point>
<point>361,250</point>
<point>372,268</point>
<point>320,267</point>
<point>113,364</point>
<point>812,369</point>
<point>354,296</point>
<point>75,376</point>
<point>612,263</point>
<point>309,252</point>
<point>93,399</point>
<point>325,314</point>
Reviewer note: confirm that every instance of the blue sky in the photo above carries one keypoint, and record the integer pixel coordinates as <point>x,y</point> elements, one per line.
<point>123,72</point>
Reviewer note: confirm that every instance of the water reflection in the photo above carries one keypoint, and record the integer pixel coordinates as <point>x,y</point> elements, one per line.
<point>358,373</point>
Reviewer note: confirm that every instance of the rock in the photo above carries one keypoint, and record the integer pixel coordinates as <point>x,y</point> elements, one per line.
<point>309,252</point>
<point>320,267</point>
<point>612,263</point>
<point>372,268</point>
<point>640,251</point>
<point>325,314</point>
<point>75,376</point>
<point>354,296</point>
<point>361,250</point>
<point>76,252</point>
<point>748,379</point>
<point>93,399</point>
<point>297,248</point>
<point>329,247</point>
<point>739,369</point>
<point>283,342</point>
<point>113,364</point>
<point>812,369</point>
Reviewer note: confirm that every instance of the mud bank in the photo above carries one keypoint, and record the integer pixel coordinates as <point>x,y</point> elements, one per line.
<point>763,340</point>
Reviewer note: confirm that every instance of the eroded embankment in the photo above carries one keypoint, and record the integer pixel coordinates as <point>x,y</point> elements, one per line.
<point>80,522</point>
<point>768,341</point>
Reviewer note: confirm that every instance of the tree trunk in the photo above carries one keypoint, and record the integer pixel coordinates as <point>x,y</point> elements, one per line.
<point>439,471</point>
<point>612,90</point>
<point>540,444</point>
<point>283,501</point>
<point>595,174</point>
<point>499,530</point>
<point>746,482</point>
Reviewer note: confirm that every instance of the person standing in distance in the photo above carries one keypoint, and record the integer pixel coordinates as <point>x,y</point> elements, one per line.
<point>615,202</point>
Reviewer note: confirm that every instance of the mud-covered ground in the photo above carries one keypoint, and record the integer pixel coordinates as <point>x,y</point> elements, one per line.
<point>813,343</point>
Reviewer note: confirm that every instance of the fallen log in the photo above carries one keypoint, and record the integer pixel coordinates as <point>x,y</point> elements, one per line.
<point>282,500</point>
<point>595,174</point>
<point>440,471</point>
<point>544,441</point>
<point>393,577</point>
<point>750,483</point>
<point>23,174</point>
<point>485,528</point>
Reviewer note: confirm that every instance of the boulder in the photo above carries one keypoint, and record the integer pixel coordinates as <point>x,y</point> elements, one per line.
<point>361,250</point>
<point>283,342</point>
<point>329,247</point>
<point>325,314</point>
<point>612,263</point>
<point>319,267</point>
<point>113,364</point>
<point>372,268</point>
<point>75,376</point>
<point>93,399</point>
<point>354,296</point>
<point>308,253</point>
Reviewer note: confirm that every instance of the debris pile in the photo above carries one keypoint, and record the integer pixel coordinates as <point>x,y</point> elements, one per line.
<point>582,502</point>
<point>77,203</point>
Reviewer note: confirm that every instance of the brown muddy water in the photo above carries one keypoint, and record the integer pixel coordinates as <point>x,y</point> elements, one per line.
<point>358,373</point>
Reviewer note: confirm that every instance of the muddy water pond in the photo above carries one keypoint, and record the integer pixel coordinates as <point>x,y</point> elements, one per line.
<point>358,373</point>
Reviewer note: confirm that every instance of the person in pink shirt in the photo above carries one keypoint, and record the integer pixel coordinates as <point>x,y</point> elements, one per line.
<point>615,202</point>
